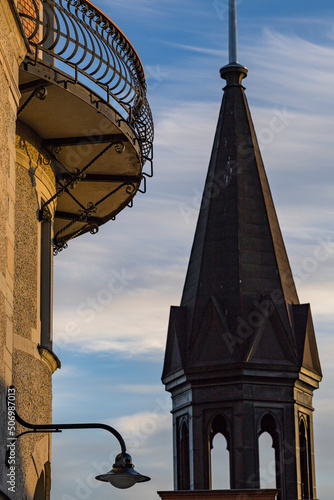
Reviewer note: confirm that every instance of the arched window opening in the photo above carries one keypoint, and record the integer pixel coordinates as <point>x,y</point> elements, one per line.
<point>269,454</point>
<point>219,454</point>
<point>184,469</point>
<point>220,459</point>
<point>267,461</point>
<point>305,460</point>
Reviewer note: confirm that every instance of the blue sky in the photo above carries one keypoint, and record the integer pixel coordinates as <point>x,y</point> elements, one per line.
<point>112,353</point>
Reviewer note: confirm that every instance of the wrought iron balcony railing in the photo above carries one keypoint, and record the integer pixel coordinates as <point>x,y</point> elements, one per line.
<point>80,41</point>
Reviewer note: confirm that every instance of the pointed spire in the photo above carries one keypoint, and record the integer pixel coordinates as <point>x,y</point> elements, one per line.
<point>239,288</point>
<point>238,256</point>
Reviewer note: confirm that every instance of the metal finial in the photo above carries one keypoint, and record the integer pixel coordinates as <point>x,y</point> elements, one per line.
<point>233,44</point>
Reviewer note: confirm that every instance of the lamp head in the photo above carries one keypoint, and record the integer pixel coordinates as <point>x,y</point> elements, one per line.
<point>123,475</point>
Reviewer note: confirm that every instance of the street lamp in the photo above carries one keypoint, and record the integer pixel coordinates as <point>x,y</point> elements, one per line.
<point>122,475</point>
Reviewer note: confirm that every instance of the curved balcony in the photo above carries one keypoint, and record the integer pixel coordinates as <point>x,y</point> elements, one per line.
<point>84,94</point>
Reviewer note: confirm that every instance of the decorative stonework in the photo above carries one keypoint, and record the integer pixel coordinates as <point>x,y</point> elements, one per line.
<point>49,358</point>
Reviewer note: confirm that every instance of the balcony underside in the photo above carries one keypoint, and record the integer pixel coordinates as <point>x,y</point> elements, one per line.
<point>95,155</point>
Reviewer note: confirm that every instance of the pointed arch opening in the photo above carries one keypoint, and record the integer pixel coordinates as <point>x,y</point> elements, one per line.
<point>183,456</point>
<point>267,461</point>
<point>305,458</point>
<point>269,453</point>
<point>219,454</point>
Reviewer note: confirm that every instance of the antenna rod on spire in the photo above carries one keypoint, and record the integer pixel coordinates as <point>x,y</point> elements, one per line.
<point>233,44</point>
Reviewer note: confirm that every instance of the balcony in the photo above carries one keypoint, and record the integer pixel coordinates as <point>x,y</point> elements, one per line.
<point>84,94</point>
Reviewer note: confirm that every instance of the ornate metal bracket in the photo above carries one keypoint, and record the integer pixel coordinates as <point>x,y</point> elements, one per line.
<point>84,215</point>
<point>75,177</point>
<point>40,92</point>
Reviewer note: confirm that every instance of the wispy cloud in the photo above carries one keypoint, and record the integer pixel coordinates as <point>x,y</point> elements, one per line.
<point>141,389</point>
<point>196,49</point>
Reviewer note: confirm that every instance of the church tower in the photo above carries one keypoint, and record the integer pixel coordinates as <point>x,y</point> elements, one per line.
<point>241,356</point>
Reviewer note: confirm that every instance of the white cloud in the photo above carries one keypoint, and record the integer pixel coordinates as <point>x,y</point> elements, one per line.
<point>288,70</point>
<point>139,426</point>
<point>140,389</point>
<point>193,48</point>
<point>321,297</point>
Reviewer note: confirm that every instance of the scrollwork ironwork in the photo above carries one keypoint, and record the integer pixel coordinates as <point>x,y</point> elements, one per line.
<point>59,246</point>
<point>84,214</point>
<point>76,177</point>
<point>130,188</point>
<point>40,93</point>
<point>119,148</point>
<point>74,181</point>
<point>94,229</point>
<point>47,160</point>
<point>55,150</point>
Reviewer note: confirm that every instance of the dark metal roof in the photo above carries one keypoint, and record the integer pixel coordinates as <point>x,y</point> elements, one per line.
<point>239,285</point>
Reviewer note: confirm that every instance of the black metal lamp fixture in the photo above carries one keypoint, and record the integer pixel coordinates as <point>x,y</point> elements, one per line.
<point>122,475</point>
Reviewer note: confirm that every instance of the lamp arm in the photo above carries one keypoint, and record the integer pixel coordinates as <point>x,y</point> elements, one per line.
<point>57,427</point>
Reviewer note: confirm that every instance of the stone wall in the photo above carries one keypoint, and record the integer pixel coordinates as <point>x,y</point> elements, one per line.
<point>31,370</point>
<point>26,179</point>
<point>12,51</point>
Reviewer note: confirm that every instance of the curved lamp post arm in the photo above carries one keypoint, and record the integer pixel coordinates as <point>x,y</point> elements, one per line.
<point>122,475</point>
<point>59,427</point>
